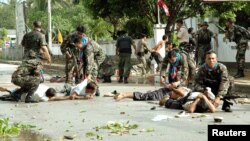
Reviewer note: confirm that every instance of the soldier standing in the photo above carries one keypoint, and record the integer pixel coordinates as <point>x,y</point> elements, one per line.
<point>35,45</point>
<point>203,39</point>
<point>72,62</point>
<point>240,36</point>
<point>141,50</point>
<point>92,56</point>
<point>186,49</point>
<point>124,51</point>
<point>214,75</point>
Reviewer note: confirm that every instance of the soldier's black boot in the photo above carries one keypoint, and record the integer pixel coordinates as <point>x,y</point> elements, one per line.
<point>109,79</point>
<point>105,79</point>
<point>240,74</point>
<point>237,73</point>
<point>97,93</point>
<point>121,79</point>
<point>226,105</point>
<point>126,80</point>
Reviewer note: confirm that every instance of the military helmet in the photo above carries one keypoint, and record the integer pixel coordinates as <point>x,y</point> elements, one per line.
<point>231,20</point>
<point>81,28</point>
<point>205,23</point>
<point>37,24</point>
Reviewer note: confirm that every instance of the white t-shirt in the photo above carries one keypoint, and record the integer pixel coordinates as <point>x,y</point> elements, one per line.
<point>39,94</point>
<point>80,88</point>
<point>183,35</point>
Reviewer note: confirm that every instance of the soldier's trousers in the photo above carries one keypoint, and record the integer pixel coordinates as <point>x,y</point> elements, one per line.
<point>28,84</point>
<point>142,63</point>
<point>71,71</point>
<point>240,55</point>
<point>191,66</point>
<point>124,64</point>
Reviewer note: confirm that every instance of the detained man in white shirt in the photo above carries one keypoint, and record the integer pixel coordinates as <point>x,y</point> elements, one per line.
<point>84,90</point>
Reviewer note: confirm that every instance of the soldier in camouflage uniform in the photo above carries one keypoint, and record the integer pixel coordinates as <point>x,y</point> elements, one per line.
<point>72,54</point>
<point>178,70</point>
<point>92,56</point>
<point>186,49</point>
<point>27,76</point>
<point>203,38</point>
<point>214,75</point>
<point>240,36</point>
<point>124,51</point>
<point>35,45</point>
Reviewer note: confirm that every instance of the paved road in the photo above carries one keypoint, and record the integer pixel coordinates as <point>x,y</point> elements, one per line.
<point>57,119</point>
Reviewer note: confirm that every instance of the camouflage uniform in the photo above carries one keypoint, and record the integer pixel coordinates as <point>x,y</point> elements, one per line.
<point>140,51</point>
<point>182,68</point>
<point>32,43</point>
<point>107,69</point>
<point>93,57</point>
<point>240,38</point>
<point>123,47</point>
<point>217,79</point>
<point>72,65</point>
<point>27,76</point>
<point>203,39</point>
<point>189,53</point>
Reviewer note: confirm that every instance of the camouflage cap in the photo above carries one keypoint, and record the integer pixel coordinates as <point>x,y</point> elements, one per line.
<point>205,23</point>
<point>231,20</point>
<point>37,24</point>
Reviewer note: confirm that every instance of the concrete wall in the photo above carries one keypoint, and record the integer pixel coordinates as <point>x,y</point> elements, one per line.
<point>16,53</point>
<point>226,50</point>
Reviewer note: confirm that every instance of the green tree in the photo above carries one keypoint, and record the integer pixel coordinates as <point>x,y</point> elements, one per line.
<point>3,36</point>
<point>115,10</point>
<point>7,14</point>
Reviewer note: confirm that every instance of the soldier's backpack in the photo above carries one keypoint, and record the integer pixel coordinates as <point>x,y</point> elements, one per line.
<point>245,33</point>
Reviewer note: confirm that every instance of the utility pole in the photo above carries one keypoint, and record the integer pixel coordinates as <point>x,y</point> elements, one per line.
<point>49,26</point>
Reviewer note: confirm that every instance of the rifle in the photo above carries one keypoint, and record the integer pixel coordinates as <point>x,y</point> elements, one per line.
<point>227,98</point>
<point>220,28</point>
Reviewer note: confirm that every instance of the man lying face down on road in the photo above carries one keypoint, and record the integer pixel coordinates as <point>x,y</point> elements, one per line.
<point>84,90</point>
<point>167,91</point>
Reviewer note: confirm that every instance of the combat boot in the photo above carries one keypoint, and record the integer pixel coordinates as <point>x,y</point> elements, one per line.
<point>226,105</point>
<point>109,79</point>
<point>126,80</point>
<point>240,74</point>
<point>105,79</point>
<point>121,79</point>
<point>29,99</point>
<point>97,93</point>
<point>236,73</point>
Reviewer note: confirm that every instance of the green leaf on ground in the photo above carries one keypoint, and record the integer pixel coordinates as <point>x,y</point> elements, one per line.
<point>90,134</point>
